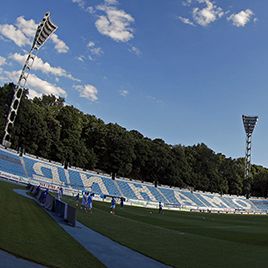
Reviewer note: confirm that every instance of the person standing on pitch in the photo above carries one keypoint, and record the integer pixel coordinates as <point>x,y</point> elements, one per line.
<point>121,202</point>
<point>160,209</point>
<point>113,203</point>
<point>77,199</point>
<point>84,201</point>
<point>60,193</point>
<point>89,202</point>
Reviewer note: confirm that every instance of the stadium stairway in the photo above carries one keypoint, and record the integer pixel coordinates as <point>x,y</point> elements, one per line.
<point>24,167</point>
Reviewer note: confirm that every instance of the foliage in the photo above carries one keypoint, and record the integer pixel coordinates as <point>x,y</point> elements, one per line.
<point>47,127</point>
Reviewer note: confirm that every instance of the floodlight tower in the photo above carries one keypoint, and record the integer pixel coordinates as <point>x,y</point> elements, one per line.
<point>249,125</point>
<point>44,30</point>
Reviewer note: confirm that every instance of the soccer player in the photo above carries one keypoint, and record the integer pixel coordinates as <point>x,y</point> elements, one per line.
<point>60,193</point>
<point>160,210</point>
<point>77,199</point>
<point>89,202</point>
<point>84,201</point>
<point>121,202</point>
<point>113,203</point>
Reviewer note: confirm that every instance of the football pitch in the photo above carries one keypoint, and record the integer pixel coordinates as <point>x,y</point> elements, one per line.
<point>178,239</point>
<point>27,231</point>
<point>183,239</point>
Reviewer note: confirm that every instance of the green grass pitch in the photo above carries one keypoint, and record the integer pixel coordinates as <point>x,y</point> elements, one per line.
<point>183,239</point>
<point>179,239</point>
<point>27,231</point>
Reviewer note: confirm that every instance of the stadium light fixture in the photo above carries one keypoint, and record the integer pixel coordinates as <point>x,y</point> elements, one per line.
<point>44,30</point>
<point>249,123</point>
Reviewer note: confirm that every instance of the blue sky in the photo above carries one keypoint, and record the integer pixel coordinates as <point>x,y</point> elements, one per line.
<point>184,71</point>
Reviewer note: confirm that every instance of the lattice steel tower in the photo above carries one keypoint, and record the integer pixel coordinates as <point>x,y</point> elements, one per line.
<point>249,125</point>
<point>44,30</point>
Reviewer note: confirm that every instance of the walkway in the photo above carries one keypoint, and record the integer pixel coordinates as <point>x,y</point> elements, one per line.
<point>110,253</point>
<point>10,261</point>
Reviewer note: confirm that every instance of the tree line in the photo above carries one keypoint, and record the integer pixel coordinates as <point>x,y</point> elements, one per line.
<point>48,128</point>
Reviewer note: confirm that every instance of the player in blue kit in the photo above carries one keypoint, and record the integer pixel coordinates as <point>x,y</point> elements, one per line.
<point>89,203</point>
<point>113,204</point>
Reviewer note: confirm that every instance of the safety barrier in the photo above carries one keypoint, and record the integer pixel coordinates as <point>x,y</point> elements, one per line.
<point>49,202</point>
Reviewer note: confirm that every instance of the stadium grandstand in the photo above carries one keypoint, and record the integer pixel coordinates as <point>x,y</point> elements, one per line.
<point>52,175</point>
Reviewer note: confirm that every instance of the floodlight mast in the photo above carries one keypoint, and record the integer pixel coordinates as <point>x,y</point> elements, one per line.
<point>44,30</point>
<point>249,123</point>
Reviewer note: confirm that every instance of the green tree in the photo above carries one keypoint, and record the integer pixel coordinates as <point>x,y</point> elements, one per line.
<point>47,127</point>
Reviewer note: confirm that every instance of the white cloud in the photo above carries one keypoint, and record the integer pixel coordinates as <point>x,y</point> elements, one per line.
<point>87,91</point>
<point>45,87</point>
<point>187,2</point>
<point>28,27</point>
<point>3,77</point>
<point>90,44</point>
<point>12,33</point>
<point>37,85</point>
<point>242,18</point>
<point>115,24</point>
<point>94,50</point>
<point>42,66</point>
<point>33,94</point>
<point>123,92</point>
<point>208,14</point>
<point>135,50</point>
<point>90,10</point>
<point>111,2</point>
<point>186,21</point>
<point>23,32</point>
<point>80,3</point>
<point>154,99</point>
<point>81,58</point>
<point>2,61</point>
<point>60,46</point>
<point>205,12</point>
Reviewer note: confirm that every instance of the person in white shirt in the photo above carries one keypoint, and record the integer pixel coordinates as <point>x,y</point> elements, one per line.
<point>84,201</point>
<point>60,193</point>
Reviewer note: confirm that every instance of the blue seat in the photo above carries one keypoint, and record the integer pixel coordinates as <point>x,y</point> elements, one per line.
<point>111,187</point>
<point>75,179</point>
<point>193,198</point>
<point>126,190</point>
<point>145,196</point>
<point>11,163</point>
<point>156,193</point>
<point>169,195</point>
<point>261,204</point>
<point>29,163</point>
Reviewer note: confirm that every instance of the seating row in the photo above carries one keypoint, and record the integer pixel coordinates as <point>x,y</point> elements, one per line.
<point>78,180</point>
